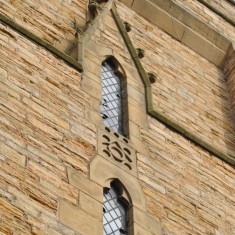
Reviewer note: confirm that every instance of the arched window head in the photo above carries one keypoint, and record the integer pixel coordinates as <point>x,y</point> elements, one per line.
<point>115,210</point>
<point>114,105</point>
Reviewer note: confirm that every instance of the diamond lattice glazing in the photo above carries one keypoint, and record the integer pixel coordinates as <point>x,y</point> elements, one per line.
<point>111,108</point>
<point>115,215</point>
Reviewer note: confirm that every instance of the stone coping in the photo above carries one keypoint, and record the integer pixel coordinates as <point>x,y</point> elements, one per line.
<point>184,27</point>
<point>6,20</point>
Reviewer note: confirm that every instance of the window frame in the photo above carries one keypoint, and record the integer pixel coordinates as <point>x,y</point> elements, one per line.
<point>120,74</point>
<point>124,203</point>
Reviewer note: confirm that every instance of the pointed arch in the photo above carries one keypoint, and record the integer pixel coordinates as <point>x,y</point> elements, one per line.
<point>116,208</point>
<point>103,172</point>
<point>114,109</point>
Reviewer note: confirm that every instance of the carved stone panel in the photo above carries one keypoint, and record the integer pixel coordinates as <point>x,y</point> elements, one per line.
<point>116,148</point>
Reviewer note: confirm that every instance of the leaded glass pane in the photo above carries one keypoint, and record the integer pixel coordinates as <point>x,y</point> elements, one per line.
<point>115,214</point>
<point>111,108</point>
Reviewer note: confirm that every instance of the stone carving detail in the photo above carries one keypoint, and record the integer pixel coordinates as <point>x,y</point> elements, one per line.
<point>116,148</point>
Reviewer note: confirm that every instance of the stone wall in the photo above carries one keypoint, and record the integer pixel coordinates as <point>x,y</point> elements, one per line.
<point>206,15</point>
<point>43,130</point>
<point>189,89</point>
<point>50,116</point>
<point>189,190</point>
<point>54,21</point>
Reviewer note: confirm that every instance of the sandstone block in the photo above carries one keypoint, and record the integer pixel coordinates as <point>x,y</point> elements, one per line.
<point>84,184</point>
<point>90,205</point>
<point>3,73</point>
<point>78,220</point>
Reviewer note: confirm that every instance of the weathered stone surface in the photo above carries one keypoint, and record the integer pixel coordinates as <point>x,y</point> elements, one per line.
<point>55,20</point>
<point>117,149</point>
<point>49,120</point>
<point>144,221</point>
<point>138,230</point>
<point>84,184</point>
<point>36,140</point>
<point>188,85</point>
<point>103,177</point>
<point>160,17</point>
<point>91,206</point>
<point>204,47</point>
<point>229,71</point>
<point>75,218</point>
<point>197,181</point>
<point>173,18</point>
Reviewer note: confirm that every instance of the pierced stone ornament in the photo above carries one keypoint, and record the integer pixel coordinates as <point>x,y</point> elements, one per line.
<point>116,148</point>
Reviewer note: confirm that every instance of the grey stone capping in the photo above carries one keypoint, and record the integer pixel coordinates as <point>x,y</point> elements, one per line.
<point>232,1</point>
<point>187,134</point>
<point>75,64</point>
<point>229,71</point>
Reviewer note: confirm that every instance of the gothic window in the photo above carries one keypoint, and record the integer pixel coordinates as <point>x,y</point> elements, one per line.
<point>113,97</point>
<point>115,209</point>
